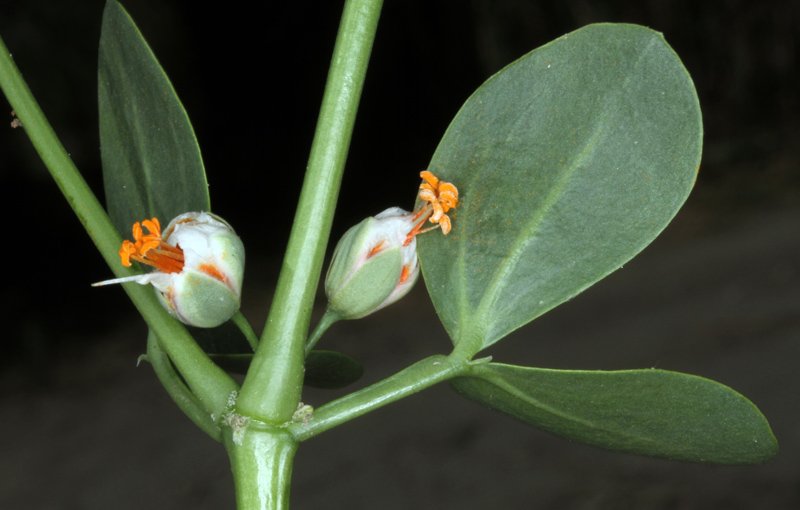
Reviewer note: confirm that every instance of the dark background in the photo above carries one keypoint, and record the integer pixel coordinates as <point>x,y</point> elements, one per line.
<point>718,294</point>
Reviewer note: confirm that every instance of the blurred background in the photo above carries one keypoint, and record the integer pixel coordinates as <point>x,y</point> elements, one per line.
<point>718,294</point>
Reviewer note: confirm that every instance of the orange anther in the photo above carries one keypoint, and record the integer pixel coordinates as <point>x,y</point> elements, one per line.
<point>153,226</point>
<point>150,248</point>
<point>438,197</point>
<point>125,251</point>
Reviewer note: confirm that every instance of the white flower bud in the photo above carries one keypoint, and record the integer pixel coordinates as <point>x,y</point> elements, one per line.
<point>374,264</point>
<point>199,264</point>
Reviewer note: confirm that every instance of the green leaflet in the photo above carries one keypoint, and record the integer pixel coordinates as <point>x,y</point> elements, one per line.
<point>649,412</point>
<point>569,162</point>
<point>151,161</point>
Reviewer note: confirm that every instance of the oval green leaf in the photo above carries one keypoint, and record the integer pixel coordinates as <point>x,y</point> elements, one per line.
<point>151,161</point>
<point>569,162</point>
<point>331,370</point>
<point>648,412</point>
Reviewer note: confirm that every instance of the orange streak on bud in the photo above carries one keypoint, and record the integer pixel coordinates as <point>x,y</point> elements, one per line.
<point>404,274</point>
<point>376,249</point>
<point>212,271</point>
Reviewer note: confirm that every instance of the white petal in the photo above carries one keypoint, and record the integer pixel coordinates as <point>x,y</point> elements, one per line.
<point>159,280</point>
<point>142,279</point>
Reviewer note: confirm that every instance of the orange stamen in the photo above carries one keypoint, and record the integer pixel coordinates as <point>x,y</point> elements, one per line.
<point>150,249</point>
<point>438,197</point>
<point>125,251</point>
<point>423,215</point>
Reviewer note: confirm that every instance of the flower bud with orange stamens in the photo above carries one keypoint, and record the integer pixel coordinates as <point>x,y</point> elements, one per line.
<point>375,262</point>
<point>373,265</point>
<point>199,266</point>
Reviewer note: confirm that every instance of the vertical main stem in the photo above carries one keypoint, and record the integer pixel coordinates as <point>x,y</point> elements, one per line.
<point>261,461</point>
<point>271,390</point>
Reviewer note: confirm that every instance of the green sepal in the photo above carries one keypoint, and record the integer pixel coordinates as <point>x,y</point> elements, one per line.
<point>356,287</point>
<point>201,300</point>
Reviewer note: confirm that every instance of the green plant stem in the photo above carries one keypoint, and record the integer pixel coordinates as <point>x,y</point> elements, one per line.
<point>327,320</point>
<point>422,374</point>
<point>244,326</point>
<point>210,384</point>
<point>273,384</point>
<point>261,459</point>
<point>177,389</point>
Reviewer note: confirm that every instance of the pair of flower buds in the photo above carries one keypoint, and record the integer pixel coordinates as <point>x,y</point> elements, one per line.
<point>198,260</point>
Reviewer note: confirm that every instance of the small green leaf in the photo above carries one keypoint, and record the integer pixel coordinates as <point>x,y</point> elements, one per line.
<point>226,338</point>
<point>649,412</point>
<point>151,161</point>
<point>324,369</point>
<point>331,370</point>
<point>569,162</point>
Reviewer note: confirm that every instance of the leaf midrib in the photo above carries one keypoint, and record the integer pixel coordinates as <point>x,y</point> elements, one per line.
<point>512,390</point>
<point>526,235</point>
<point>478,319</point>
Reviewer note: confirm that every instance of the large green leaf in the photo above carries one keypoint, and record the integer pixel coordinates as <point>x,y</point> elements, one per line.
<point>649,412</point>
<point>569,162</point>
<point>151,161</point>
